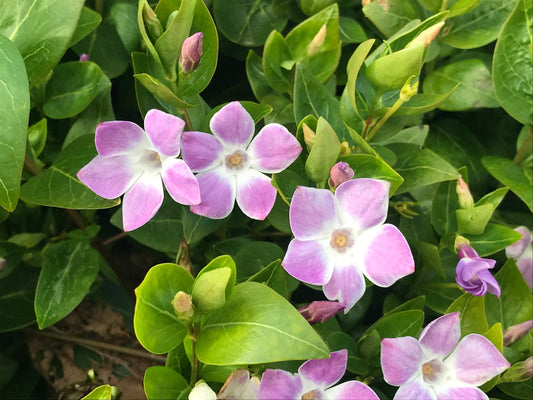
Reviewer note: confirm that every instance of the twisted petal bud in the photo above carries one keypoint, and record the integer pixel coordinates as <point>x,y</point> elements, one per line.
<point>516,332</point>
<point>191,52</point>
<point>314,46</point>
<point>320,311</point>
<point>463,193</point>
<point>427,36</point>
<point>309,136</point>
<point>340,173</point>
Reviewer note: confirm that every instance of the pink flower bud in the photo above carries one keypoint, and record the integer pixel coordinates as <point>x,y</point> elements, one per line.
<point>3,262</point>
<point>191,52</point>
<point>463,193</point>
<point>320,311</point>
<point>340,173</point>
<point>84,57</point>
<point>516,332</point>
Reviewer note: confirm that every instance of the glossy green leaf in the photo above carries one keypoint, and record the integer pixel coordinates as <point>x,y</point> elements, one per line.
<point>162,383</point>
<point>219,284</point>
<point>420,167</point>
<point>287,181</point>
<point>256,76</point>
<point>255,315</point>
<point>323,154</point>
<point>479,26</point>
<point>156,325</point>
<point>100,393</point>
<point>41,30</point>
<point>37,134</point>
<point>17,293</point>
<point>389,16</point>
<point>124,14</point>
<point>72,87</point>
<point>516,178</point>
<point>462,6</point>
<point>352,70</point>
<point>414,134</point>
<point>511,65</point>
<point>274,276</point>
<point>443,208</point>
<point>161,91</point>
<point>277,62</point>
<point>196,227</point>
<point>350,31</point>
<point>87,23</point>
<point>15,100</point>
<point>247,22</point>
<point>58,185</point>
<point>472,309</point>
<point>69,269</point>
<point>474,220</point>
<point>493,239</point>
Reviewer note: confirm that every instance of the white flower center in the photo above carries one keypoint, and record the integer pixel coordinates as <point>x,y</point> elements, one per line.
<point>433,371</point>
<point>236,160</point>
<point>341,240</point>
<point>150,161</point>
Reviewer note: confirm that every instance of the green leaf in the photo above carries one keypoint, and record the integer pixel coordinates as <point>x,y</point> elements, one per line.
<point>87,23</point>
<point>352,70</point>
<point>247,22</point>
<point>462,6</point>
<point>37,134</point>
<point>41,30</point>
<point>493,239</point>
<point>58,186</point>
<point>156,325</point>
<point>72,87</point>
<point>100,393</point>
<point>474,78</point>
<point>420,167</point>
<point>256,76</point>
<point>443,208</point>
<point>350,31</point>
<point>276,55</point>
<point>474,220</point>
<point>255,315</point>
<point>511,65</point>
<point>161,91</point>
<point>163,383</point>
<point>419,104</point>
<point>253,257</point>
<point>389,16</point>
<point>274,276</point>
<point>17,293</point>
<point>311,7</point>
<point>212,290</point>
<point>323,154</point>
<point>15,100</point>
<point>69,269</point>
<point>516,178</point>
<point>414,134</point>
<point>196,227</point>
<point>472,309</point>
<point>479,26</point>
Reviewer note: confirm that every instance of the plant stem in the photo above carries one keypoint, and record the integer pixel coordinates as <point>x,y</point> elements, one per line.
<point>524,148</point>
<point>99,6</point>
<point>113,239</point>
<point>384,119</point>
<point>31,166</point>
<point>187,119</point>
<point>195,365</point>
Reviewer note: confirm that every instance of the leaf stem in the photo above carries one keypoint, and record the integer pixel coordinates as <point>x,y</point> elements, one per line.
<point>384,119</point>
<point>187,119</point>
<point>195,365</point>
<point>31,166</point>
<point>524,148</point>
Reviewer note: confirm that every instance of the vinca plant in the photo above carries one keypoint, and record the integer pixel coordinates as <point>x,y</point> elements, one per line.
<point>254,199</point>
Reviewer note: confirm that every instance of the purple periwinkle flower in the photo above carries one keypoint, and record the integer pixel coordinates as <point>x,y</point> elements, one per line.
<point>231,166</point>
<point>132,162</point>
<point>472,273</point>
<point>341,237</point>
<point>522,252</point>
<point>440,365</point>
<point>191,52</point>
<point>320,311</point>
<point>340,173</point>
<point>314,380</point>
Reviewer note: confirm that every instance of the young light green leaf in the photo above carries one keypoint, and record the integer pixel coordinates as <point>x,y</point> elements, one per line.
<point>253,316</point>
<point>323,154</point>
<point>352,69</point>
<point>472,309</point>
<point>161,91</point>
<point>277,61</point>
<point>163,383</point>
<point>100,393</point>
<point>15,100</point>
<point>419,104</point>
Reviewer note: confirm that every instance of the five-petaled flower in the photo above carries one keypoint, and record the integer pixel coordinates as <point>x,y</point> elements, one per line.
<point>440,365</point>
<point>314,380</point>
<point>341,237</point>
<point>132,162</point>
<point>231,165</point>
<point>472,272</point>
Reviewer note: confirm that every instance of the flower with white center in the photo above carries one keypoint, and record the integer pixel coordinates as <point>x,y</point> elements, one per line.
<point>314,380</point>
<point>231,166</point>
<point>341,237</point>
<point>441,365</point>
<point>133,162</point>
<point>202,391</point>
<point>522,252</point>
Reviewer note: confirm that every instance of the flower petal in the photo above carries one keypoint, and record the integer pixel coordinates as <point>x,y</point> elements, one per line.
<point>462,392</point>
<point>476,360</point>
<point>201,151</point>
<point>351,390</point>
<point>385,255</point>
<point>308,261</point>
<point>346,285</point>
<point>325,372</point>
<point>114,138</point>
<point>255,194</point>
<point>217,194</point>
<point>525,265</point>
<point>441,335</point>
<point>273,149</point>
<point>401,359</point>
<point>280,385</point>
<point>516,249</point>
<point>142,201</point>
<point>109,177</point>
<point>312,214</point>
<point>473,276</point>
<point>180,182</point>
<point>416,390</point>
<point>164,131</point>
<point>233,125</point>
<point>363,202</point>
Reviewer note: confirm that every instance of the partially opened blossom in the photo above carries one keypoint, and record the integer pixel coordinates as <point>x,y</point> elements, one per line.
<point>133,162</point>
<point>340,173</point>
<point>341,238</point>
<point>440,365</point>
<point>314,380</point>
<point>231,166</point>
<point>320,311</point>
<point>472,272</point>
<point>522,252</point>
<point>238,386</point>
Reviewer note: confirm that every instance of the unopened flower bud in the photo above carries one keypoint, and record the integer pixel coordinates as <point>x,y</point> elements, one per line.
<point>519,372</point>
<point>191,52</point>
<point>309,136</point>
<point>183,306</point>
<point>314,46</point>
<point>84,57</point>
<point>340,173</point>
<point>427,36</point>
<point>202,391</point>
<point>345,148</point>
<point>152,21</point>
<point>320,311</point>
<point>407,91</point>
<point>516,332</point>
<point>466,200</point>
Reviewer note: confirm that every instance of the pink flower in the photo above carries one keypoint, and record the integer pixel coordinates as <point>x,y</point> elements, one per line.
<point>191,52</point>
<point>522,252</point>
<point>340,238</point>
<point>439,366</point>
<point>132,162</point>
<point>314,380</point>
<point>340,173</point>
<point>472,273</point>
<point>320,311</point>
<point>231,165</point>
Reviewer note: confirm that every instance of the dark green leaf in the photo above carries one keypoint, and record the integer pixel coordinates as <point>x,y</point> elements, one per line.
<point>350,31</point>
<point>443,209</point>
<point>256,76</point>
<point>493,239</point>
<point>17,292</point>
<point>196,227</point>
<point>87,23</point>
<point>274,276</point>
<point>253,257</point>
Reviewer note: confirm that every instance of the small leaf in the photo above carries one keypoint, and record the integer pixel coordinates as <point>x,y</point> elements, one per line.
<point>275,54</point>
<point>323,154</point>
<point>352,70</point>
<point>163,383</point>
